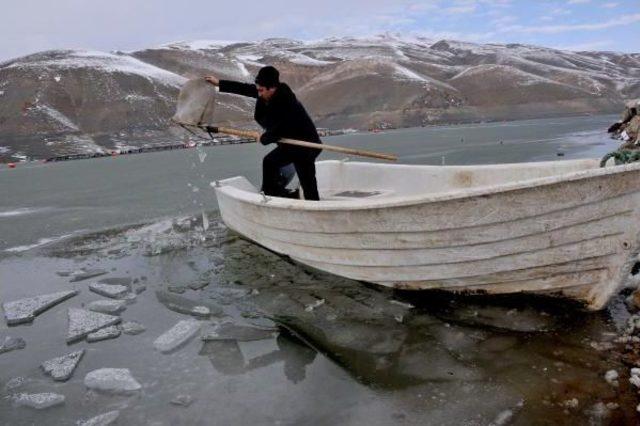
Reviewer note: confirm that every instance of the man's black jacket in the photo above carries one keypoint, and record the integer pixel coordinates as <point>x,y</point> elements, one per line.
<point>282,117</point>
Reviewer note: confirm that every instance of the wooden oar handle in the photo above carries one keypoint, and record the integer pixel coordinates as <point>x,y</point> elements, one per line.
<point>333,148</point>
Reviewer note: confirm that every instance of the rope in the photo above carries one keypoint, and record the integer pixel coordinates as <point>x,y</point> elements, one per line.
<point>622,156</point>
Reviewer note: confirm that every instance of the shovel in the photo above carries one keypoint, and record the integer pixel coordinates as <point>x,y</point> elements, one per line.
<point>196,105</point>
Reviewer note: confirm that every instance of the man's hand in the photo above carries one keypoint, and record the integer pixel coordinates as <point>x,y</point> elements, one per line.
<point>213,80</point>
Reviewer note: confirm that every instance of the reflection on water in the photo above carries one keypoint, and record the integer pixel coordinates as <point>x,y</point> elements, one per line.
<point>227,358</point>
<point>342,351</point>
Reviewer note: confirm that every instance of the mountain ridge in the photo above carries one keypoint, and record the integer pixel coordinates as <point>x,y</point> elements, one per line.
<point>56,102</point>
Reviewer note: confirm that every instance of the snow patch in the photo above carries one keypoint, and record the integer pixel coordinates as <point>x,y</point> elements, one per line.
<point>57,116</point>
<point>105,62</point>
<point>251,60</point>
<point>199,44</point>
<point>407,74</point>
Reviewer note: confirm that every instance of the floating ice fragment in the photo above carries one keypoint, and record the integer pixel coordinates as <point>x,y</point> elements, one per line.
<point>83,322</point>
<point>14,383</point>
<point>25,310</point>
<point>112,380</point>
<point>86,274</point>
<point>113,291</point>
<point>112,307</point>
<point>182,400</point>
<point>102,420</point>
<point>103,334</point>
<point>177,336</point>
<point>12,343</point>
<point>61,368</point>
<point>201,311</point>
<point>132,328</point>
<point>38,401</point>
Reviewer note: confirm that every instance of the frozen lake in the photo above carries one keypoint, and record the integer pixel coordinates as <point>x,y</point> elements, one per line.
<point>279,343</point>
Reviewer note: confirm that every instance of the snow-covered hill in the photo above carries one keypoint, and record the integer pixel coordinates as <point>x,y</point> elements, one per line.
<point>343,82</point>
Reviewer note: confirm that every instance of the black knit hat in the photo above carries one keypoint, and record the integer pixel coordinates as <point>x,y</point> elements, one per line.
<point>268,77</point>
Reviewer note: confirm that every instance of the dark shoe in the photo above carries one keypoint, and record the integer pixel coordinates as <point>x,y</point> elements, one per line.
<point>292,193</point>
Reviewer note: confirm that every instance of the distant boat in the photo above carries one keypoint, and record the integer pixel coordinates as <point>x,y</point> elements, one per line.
<point>562,228</point>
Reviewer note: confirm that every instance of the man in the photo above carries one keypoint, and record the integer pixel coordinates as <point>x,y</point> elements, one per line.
<point>281,115</point>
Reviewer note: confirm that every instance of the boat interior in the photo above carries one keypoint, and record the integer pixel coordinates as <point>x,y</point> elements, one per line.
<point>344,180</point>
<point>353,180</point>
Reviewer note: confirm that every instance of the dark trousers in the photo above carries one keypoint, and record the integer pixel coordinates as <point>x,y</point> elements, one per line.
<point>304,163</point>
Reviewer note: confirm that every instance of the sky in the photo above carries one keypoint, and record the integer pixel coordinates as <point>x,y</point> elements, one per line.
<point>28,26</point>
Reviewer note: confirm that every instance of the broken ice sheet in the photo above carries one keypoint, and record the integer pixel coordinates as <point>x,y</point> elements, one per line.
<point>111,307</point>
<point>177,336</point>
<point>61,368</point>
<point>112,380</point>
<point>38,401</point>
<point>110,332</point>
<point>25,310</point>
<point>101,420</point>
<point>11,344</point>
<point>114,291</point>
<point>83,322</point>
<point>132,327</point>
<point>85,274</point>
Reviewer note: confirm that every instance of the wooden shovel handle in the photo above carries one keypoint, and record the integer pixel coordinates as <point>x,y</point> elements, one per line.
<point>333,148</point>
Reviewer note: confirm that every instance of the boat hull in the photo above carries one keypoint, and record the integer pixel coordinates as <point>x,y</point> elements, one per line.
<point>574,236</point>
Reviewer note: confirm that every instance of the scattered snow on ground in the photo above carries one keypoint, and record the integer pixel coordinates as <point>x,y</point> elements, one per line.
<point>57,116</point>
<point>199,44</point>
<point>406,73</point>
<point>251,60</point>
<point>105,62</point>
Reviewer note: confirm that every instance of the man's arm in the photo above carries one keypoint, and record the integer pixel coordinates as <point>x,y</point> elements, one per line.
<point>236,87</point>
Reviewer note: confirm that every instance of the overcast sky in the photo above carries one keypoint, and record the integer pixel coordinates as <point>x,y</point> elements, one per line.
<point>28,26</point>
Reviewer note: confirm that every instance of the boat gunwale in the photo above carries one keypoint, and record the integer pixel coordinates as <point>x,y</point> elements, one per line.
<point>261,200</point>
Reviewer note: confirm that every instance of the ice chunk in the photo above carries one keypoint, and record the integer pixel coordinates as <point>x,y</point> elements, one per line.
<point>61,368</point>
<point>83,322</point>
<point>112,307</point>
<point>238,333</point>
<point>11,344</point>
<point>86,274</point>
<point>14,383</point>
<point>38,400</point>
<point>112,380</point>
<point>114,291</point>
<point>183,400</point>
<point>201,311</point>
<point>132,327</point>
<point>177,336</point>
<point>25,310</point>
<point>103,334</point>
<point>184,305</point>
<point>126,281</point>
<point>101,420</point>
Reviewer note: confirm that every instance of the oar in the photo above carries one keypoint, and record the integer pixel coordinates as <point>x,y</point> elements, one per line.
<point>256,135</point>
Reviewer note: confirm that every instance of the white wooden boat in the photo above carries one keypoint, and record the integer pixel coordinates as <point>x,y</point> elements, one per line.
<point>566,228</point>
